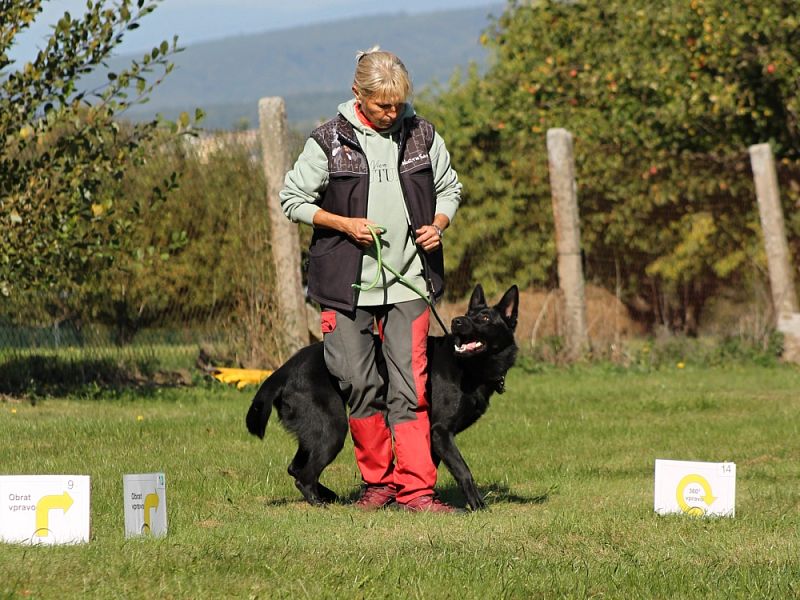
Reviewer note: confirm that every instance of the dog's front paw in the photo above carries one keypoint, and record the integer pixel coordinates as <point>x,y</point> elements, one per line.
<point>326,495</point>
<point>477,503</point>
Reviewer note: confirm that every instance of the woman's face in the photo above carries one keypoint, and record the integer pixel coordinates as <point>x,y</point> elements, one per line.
<point>382,112</point>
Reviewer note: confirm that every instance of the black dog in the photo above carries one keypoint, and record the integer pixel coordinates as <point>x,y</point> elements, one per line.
<point>465,369</point>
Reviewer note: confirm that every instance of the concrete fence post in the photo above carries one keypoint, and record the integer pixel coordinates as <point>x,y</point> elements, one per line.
<point>568,238</point>
<point>781,275</point>
<point>284,238</point>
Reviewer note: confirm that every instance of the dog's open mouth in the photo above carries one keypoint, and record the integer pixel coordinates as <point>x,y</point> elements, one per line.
<point>470,347</point>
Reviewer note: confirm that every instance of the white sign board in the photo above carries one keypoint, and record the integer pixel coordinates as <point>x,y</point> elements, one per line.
<point>145,504</point>
<point>44,509</point>
<point>695,488</point>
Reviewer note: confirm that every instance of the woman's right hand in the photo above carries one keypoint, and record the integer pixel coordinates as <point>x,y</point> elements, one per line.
<point>353,227</point>
<point>357,229</point>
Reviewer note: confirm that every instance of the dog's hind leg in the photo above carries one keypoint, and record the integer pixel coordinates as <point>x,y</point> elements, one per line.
<point>302,469</point>
<point>443,445</point>
<point>308,464</point>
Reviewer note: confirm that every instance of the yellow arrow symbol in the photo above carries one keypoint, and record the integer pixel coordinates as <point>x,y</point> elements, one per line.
<point>43,508</point>
<point>150,502</point>
<point>709,498</point>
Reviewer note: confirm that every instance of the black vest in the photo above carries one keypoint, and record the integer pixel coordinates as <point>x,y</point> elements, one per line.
<point>334,260</point>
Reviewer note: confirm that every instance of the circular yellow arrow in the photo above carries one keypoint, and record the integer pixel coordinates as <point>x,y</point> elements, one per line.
<point>695,511</point>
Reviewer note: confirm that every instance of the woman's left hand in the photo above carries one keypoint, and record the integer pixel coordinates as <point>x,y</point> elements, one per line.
<point>428,238</point>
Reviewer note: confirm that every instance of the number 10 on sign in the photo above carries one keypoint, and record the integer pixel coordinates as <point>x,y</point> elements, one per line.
<point>145,497</point>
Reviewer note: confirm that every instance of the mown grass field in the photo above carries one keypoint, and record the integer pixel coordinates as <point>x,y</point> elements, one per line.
<point>565,456</point>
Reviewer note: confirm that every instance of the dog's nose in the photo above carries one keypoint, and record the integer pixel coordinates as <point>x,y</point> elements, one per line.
<point>457,322</point>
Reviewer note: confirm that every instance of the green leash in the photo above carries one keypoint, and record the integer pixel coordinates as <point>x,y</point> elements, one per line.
<point>373,230</point>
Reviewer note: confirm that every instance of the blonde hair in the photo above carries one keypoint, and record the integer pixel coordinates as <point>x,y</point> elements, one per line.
<point>382,74</point>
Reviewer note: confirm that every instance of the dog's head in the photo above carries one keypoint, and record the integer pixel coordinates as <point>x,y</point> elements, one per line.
<point>486,329</point>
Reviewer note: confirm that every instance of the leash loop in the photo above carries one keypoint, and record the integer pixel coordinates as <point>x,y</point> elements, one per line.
<point>374,232</point>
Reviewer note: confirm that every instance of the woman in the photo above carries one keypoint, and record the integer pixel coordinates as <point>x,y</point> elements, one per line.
<point>378,169</point>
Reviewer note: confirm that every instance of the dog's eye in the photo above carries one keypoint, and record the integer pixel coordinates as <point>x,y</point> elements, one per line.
<point>483,318</point>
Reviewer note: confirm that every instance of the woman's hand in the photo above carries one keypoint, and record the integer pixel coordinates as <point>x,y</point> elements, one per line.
<point>357,229</point>
<point>353,227</point>
<point>429,237</point>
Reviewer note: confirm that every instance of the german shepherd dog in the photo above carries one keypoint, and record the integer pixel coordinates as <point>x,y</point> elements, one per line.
<point>465,368</point>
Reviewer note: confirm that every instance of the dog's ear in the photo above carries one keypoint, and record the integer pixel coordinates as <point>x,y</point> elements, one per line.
<point>478,300</point>
<point>509,306</point>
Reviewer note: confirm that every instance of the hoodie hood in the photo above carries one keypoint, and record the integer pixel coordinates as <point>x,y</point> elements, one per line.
<point>348,111</point>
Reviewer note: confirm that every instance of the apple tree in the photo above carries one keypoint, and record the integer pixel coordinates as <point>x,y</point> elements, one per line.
<point>663,99</point>
<point>61,144</point>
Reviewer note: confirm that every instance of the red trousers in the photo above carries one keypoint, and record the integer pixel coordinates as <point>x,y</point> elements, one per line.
<point>391,434</point>
<point>414,473</point>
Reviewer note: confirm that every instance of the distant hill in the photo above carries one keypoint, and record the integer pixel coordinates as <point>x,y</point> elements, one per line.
<point>312,66</point>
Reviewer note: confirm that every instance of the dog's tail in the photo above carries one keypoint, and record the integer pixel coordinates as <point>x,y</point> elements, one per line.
<point>261,408</point>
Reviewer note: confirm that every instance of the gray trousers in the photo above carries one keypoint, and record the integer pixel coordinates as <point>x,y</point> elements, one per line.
<point>350,346</point>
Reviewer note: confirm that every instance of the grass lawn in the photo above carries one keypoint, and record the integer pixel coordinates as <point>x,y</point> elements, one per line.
<point>566,458</point>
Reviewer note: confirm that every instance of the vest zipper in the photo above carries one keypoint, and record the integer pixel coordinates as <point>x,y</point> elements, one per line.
<point>411,231</point>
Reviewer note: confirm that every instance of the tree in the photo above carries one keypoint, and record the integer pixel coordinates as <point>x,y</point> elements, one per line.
<point>61,145</point>
<point>664,99</point>
<point>201,268</point>
<point>194,259</point>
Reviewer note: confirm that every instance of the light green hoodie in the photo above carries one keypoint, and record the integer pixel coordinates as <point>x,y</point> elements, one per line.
<point>305,183</point>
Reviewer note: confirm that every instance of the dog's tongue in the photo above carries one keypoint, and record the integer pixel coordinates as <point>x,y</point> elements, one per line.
<point>468,347</point>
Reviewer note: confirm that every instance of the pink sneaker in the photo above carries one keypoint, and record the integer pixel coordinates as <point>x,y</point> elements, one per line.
<point>429,504</point>
<point>374,497</point>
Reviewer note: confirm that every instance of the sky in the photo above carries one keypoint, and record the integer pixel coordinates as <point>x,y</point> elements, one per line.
<point>200,20</point>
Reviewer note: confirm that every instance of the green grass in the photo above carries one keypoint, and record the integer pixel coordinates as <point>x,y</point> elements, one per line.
<point>565,456</point>
<point>64,371</point>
